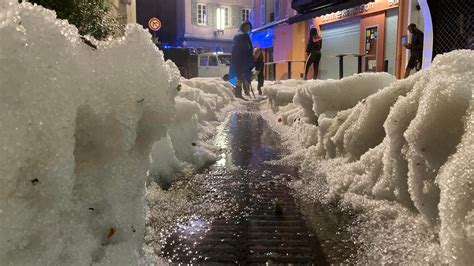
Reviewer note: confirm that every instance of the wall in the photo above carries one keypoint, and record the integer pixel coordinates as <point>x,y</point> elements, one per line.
<point>207,32</point>
<point>416,16</point>
<point>289,40</point>
<point>132,12</point>
<point>285,11</point>
<point>290,44</point>
<point>125,9</point>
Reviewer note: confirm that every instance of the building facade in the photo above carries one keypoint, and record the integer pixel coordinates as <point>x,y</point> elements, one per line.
<point>125,10</point>
<point>370,31</point>
<point>209,25</point>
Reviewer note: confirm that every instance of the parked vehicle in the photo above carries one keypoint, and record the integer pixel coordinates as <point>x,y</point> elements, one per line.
<point>193,65</point>
<point>214,65</point>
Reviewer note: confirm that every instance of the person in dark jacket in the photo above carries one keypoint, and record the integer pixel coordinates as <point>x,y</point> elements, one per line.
<point>242,59</point>
<point>259,67</point>
<point>313,49</point>
<point>416,49</point>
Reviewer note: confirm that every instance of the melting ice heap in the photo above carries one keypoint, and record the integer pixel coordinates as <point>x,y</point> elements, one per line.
<point>392,147</point>
<point>79,130</point>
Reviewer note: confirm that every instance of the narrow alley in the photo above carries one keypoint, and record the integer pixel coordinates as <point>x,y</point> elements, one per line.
<point>262,222</point>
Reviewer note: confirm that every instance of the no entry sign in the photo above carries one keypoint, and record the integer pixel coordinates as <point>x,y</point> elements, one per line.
<point>154,24</point>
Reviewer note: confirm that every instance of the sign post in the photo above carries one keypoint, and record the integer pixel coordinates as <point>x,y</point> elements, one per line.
<point>154,25</point>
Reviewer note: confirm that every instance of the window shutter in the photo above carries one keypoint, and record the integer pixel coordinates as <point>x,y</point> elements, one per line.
<point>194,12</point>
<point>236,13</point>
<point>211,14</point>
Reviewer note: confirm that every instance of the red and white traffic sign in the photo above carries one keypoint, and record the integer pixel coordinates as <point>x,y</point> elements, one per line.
<point>154,24</point>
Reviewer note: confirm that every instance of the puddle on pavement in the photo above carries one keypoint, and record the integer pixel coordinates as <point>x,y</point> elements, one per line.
<point>259,221</point>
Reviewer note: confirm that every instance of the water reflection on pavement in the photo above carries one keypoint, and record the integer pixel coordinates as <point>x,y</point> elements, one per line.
<point>260,221</point>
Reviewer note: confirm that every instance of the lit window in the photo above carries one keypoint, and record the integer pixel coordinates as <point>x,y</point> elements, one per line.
<point>245,14</point>
<point>223,18</point>
<point>201,14</point>
<point>226,16</point>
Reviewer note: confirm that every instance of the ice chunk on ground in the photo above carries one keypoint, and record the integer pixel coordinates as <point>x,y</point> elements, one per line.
<point>405,142</point>
<point>77,131</point>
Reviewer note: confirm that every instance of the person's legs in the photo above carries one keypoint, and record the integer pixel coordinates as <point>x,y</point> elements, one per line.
<point>317,59</point>
<point>260,84</point>
<point>246,77</point>
<point>419,63</point>
<point>246,86</point>
<point>411,64</point>
<point>238,87</point>
<point>407,72</point>
<point>309,61</point>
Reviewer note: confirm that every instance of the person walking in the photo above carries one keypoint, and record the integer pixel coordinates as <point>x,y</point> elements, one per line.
<point>416,49</point>
<point>259,67</point>
<point>242,59</point>
<point>313,49</point>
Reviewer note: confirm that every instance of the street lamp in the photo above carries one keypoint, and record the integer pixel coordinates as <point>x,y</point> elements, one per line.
<point>220,23</point>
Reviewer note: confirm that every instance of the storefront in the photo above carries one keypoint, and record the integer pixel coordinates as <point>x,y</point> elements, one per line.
<point>368,31</point>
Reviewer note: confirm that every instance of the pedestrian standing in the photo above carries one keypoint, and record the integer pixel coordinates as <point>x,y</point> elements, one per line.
<point>313,49</point>
<point>242,59</point>
<point>416,49</point>
<point>259,67</point>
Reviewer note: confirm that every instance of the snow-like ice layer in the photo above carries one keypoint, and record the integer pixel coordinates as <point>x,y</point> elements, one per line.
<point>408,142</point>
<point>281,93</point>
<point>200,105</point>
<point>78,131</point>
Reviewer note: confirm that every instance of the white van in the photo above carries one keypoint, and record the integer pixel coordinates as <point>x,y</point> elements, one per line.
<point>214,64</point>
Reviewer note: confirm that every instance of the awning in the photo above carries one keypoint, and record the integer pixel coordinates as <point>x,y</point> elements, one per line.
<point>263,39</point>
<point>319,11</point>
<point>270,25</point>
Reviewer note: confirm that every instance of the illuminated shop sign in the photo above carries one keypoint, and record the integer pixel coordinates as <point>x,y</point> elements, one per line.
<point>359,10</point>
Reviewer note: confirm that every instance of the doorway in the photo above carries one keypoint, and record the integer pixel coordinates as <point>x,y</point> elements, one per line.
<point>372,41</point>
